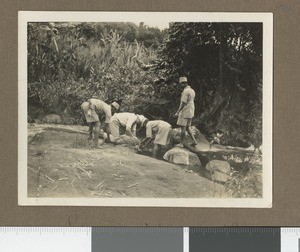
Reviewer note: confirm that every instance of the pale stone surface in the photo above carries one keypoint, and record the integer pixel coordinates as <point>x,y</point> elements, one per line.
<point>52,118</point>
<point>218,165</point>
<point>220,177</point>
<point>179,155</point>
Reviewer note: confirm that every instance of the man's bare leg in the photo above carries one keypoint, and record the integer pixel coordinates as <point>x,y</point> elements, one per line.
<point>192,136</point>
<point>182,134</point>
<point>156,150</point>
<point>91,127</point>
<point>96,133</point>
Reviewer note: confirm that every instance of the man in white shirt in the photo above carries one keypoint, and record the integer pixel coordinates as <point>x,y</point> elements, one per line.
<point>158,130</point>
<point>129,121</point>
<point>93,109</point>
<point>186,111</point>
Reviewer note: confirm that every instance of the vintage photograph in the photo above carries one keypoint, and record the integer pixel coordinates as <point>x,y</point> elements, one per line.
<point>145,109</point>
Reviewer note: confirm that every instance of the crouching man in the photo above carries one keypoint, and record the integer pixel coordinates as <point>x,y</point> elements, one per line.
<point>94,109</point>
<point>129,121</point>
<point>158,130</point>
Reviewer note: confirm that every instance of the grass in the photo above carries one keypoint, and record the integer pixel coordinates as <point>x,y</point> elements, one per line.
<point>247,183</point>
<point>81,141</point>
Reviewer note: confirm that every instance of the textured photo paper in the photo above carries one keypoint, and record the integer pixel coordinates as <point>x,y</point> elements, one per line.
<point>169,109</point>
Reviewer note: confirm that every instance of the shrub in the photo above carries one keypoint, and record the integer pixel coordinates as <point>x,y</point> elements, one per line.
<point>64,70</point>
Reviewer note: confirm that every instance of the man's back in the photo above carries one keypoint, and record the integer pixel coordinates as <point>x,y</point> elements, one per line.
<point>188,97</point>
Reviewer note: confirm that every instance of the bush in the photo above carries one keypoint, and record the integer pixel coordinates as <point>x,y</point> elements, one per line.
<point>64,70</point>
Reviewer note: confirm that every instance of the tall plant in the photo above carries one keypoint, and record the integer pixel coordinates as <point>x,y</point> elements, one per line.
<point>66,69</point>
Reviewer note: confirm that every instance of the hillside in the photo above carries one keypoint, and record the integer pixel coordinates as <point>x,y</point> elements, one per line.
<point>60,164</point>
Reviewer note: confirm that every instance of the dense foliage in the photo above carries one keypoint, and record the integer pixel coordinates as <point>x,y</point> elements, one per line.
<point>70,62</point>
<point>223,62</point>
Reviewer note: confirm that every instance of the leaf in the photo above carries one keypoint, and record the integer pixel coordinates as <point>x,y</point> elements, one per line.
<point>55,43</point>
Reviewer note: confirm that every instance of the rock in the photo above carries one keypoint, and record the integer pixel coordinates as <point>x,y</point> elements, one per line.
<point>127,140</point>
<point>179,155</point>
<point>235,156</point>
<point>203,144</point>
<point>218,165</point>
<point>220,177</point>
<point>220,170</point>
<point>52,118</point>
<point>38,121</point>
<point>35,136</point>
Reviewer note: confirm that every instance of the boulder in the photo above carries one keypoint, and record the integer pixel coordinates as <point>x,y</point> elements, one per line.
<point>218,165</point>
<point>219,170</point>
<point>220,177</point>
<point>127,140</point>
<point>52,119</point>
<point>38,121</point>
<point>235,156</point>
<point>179,155</point>
<point>203,144</point>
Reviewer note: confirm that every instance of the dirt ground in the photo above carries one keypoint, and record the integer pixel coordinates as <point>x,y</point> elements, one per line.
<point>60,164</point>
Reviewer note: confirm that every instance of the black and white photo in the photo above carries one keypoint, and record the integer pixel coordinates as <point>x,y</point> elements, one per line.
<point>145,109</point>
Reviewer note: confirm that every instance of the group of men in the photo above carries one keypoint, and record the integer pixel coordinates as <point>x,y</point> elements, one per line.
<point>97,112</point>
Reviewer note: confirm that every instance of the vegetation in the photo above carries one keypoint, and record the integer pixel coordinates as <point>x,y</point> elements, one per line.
<point>67,66</point>
<point>223,62</point>
<point>70,62</point>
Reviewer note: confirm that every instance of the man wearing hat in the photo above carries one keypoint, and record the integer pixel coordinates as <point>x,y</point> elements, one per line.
<point>93,109</point>
<point>159,131</point>
<point>186,111</point>
<point>129,121</point>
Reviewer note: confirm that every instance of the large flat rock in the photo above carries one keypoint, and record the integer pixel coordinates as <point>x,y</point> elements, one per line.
<point>61,167</point>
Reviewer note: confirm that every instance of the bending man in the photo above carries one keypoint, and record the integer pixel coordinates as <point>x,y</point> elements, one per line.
<point>93,109</point>
<point>129,121</point>
<point>158,130</point>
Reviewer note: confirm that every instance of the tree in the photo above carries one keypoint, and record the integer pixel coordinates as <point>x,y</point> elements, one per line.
<point>150,36</point>
<point>223,62</point>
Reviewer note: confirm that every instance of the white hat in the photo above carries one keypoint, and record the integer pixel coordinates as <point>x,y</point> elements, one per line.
<point>182,79</point>
<point>115,105</point>
<point>142,119</point>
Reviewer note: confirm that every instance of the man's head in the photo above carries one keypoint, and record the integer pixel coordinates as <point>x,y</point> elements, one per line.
<point>114,107</point>
<point>183,81</point>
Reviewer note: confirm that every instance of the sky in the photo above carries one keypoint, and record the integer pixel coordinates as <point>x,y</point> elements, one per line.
<point>159,24</point>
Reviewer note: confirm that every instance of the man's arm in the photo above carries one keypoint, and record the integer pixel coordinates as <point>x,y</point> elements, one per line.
<point>183,101</point>
<point>107,115</point>
<point>128,132</point>
<point>149,136</point>
<point>131,124</point>
<point>145,142</point>
<point>182,105</point>
<point>91,107</point>
<point>107,121</point>
<point>134,129</point>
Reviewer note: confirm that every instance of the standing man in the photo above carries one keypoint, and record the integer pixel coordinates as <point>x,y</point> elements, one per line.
<point>158,130</point>
<point>186,111</point>
<point>127,120</point>
<point>93,109</point>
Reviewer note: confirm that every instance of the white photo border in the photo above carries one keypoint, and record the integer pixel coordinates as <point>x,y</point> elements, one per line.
<point>51,16</point>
